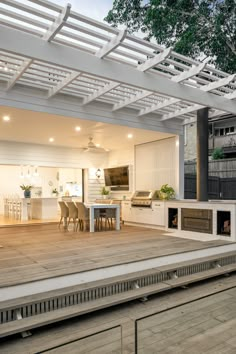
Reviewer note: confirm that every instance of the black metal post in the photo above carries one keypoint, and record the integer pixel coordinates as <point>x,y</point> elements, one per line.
<point>202,154</point>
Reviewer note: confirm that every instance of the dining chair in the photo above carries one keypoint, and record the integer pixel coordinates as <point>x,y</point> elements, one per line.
<point>83,216</point>
<point>64,212</point>
<point>110,214</point>
<point>73,214</point>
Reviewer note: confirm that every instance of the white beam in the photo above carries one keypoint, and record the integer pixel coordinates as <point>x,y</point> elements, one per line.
<point>68,79</point>
<point>72,59</point>
<point>190,73</point>
<point>211,86</point>
<point>178,78</point>
<point>216,113</point>
<point>157,59</point>
<point>100,92</point>
<point>58,24</point>
<point>23,67</point>
<point>113,44</point>
<point>131,100</point>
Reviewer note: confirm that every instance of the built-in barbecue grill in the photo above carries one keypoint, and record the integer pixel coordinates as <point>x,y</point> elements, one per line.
<point>142,198</point>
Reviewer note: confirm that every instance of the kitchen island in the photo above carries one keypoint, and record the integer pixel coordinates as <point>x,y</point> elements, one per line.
<point>39,208</point>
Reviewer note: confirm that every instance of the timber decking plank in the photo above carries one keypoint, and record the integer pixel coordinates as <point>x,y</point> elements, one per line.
<point>54,252</point>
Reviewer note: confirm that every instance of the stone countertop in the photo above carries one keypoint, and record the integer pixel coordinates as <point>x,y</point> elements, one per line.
<point>193,201</point>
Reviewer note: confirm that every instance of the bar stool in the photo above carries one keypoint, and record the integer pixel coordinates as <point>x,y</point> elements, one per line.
<point>29,209</point>
<point>17,209</point>
<point>6,206</point>
<point>10,207</point>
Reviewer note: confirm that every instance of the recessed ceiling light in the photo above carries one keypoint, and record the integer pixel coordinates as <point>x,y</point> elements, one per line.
<point>6,118</point>
<point>78,129</point>
<point>97,145</point>
<point>130,136</point>
<point>51,140</point>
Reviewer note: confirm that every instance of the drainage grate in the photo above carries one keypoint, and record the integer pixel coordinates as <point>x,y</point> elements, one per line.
<point>118,287</point>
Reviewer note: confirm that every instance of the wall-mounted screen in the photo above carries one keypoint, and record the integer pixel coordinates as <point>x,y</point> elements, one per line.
<point>116,176</point>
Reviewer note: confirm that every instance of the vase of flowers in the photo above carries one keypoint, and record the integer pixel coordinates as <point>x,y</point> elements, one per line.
<point>27,190</point>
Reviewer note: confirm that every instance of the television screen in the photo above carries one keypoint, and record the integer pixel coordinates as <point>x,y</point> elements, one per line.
<point>117,176</point>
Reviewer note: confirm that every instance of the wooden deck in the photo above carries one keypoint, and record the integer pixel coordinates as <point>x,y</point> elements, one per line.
<point>197,320</point>
<point>30,253</point>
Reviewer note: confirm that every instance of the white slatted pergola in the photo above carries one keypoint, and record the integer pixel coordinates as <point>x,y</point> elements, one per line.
<point>57,53</point>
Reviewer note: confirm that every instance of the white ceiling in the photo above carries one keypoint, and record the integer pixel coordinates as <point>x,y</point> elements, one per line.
<point>35,127</point>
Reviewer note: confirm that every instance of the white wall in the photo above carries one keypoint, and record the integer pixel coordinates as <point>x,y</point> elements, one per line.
<point>157,163</point>
<point>12,153</point>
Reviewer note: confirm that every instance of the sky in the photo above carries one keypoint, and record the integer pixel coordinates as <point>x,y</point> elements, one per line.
<point>97,9</point>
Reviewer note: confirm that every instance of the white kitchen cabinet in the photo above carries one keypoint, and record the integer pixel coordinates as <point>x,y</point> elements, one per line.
<point>126,211</point>
<point>143,215</point>
<point>158,213</point>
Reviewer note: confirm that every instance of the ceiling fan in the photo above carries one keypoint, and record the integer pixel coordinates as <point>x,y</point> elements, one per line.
<point>91,147</point>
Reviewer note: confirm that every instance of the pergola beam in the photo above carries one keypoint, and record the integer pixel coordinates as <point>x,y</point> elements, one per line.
<point>211,86</point>
<point>157,59</point>
<point>178,78</point>
<point>100,92</point>
<point>129,101</point>
<point>23,67</point>
<point>29,46</point>
<point>71,77</point>
<point>58,24</point>
<point>113,44</point>
<point>229,96</point>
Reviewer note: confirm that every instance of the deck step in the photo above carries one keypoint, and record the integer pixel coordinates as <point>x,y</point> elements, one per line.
<point>57,305</point>
<point>28,323</point>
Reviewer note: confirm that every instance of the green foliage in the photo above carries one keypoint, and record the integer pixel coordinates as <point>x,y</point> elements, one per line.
<point>192,27</point>
<point>26,187</point>
<point>104,191</point>
<point>217,154</point>
<point>167,192</point>
<point>55,191</point>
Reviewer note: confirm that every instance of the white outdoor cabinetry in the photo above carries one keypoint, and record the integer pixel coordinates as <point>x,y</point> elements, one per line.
<point>126,211</point>
<point>158,213</point>
<point>142,215</point>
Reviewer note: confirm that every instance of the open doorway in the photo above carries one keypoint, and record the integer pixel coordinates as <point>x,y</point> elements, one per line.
<point>48,184</point>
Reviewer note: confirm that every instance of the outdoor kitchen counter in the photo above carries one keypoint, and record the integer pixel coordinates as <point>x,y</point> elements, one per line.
<point>203,220</point>
<point>193,201</point>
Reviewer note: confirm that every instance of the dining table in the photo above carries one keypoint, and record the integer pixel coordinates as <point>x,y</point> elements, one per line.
<point>94,206</point>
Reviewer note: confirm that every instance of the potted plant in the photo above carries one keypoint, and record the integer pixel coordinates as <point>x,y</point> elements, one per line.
<point>104,192</point>
<point>55,192</point>
<point>27,190</point>
<point>167,192</point>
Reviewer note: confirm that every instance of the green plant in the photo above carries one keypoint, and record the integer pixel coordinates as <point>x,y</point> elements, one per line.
<point>26,187</point>
<point>167,192</point>
<point>104,191</point>
<point>217,154</point>
<point>55,191</point>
